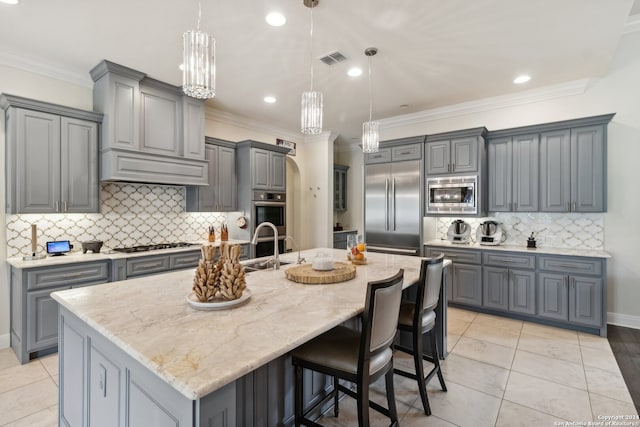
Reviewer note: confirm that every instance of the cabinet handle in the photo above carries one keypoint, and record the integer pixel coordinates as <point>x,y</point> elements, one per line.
<point>406,153</point>
<point>509,260</point>
<point>448,167</point>
<point>65,206</point>
<point>57,205</point>
<point>453,167</point>
<point>568,266</point>
<point>564,282</point>
<point>148,265</point>
<point>573,283</point>
<point>73,275</point>
<point>573,206</point>
<point>568,207</point>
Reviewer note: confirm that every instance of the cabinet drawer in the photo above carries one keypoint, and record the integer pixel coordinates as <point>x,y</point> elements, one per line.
<point>382,156</point>
<point>456,255</point>
<point>509,260</point>
<point>406,152</point>
<point>571,265</point>
<point>184,260</point>
<point>94,272</point>
<point>147,265</point>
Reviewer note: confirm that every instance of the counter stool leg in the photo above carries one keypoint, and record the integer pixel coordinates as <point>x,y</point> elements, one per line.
<point>436,358</point>
<point>336,400</point>
<point>417,361</point>
<point>391,397</point>
<point>363,403</point>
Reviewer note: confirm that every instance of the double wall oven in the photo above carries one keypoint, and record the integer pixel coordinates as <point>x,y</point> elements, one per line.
<point>269,207</point>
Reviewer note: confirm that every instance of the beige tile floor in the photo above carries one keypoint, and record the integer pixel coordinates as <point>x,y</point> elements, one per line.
<point>500,372</point>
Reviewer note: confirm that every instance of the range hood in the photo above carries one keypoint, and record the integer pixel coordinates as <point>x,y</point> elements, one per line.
<point>151,131</point>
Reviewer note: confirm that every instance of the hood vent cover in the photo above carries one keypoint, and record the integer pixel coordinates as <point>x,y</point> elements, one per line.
<point>333,58</point>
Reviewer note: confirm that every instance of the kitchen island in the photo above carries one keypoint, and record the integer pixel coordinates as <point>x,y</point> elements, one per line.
<point>135,353</point>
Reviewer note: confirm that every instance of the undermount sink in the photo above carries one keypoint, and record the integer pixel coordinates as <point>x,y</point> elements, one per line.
<point>261,265</point>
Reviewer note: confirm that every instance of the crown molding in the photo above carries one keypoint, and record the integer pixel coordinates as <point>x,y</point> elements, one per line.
<point>220,116</point>
<point>326,136</point>
<point>576,87</point>
<point>46,69</point>
<point>632,25</point>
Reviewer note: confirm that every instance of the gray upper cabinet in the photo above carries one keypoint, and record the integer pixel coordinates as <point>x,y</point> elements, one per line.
<point>458,156</point>
<point>555,171</point>
<point>52,157</point>
<point>513,173</point>
<point>221,193</point>
<point>152,131</point>
<point>267,164</point>
<point>340,187</point>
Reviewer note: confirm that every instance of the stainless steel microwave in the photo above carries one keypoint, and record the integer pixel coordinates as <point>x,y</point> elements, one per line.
<point>452,195</point>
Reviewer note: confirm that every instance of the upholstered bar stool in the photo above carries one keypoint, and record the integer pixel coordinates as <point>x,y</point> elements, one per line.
<point>419,318</point>
<point>358,357</point>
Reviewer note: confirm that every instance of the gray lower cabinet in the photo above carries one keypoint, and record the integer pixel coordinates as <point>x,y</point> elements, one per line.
<point>221,193</point>
<point>127,268</point>
<point>34,313</point>
<point>566,291</point>
<point>340,238</point>
<point>52,157</point>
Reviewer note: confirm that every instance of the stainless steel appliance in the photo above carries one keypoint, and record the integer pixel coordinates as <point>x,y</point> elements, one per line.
<point>490,232</point>
<point>459,231</point>
<point>452,195</point>
<point>393,214</point>
<point>153,247</point>
<point>269,207</point>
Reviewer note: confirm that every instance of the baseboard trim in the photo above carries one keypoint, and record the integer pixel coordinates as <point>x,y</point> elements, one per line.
<point>5,341</point>
<point>625,320</point>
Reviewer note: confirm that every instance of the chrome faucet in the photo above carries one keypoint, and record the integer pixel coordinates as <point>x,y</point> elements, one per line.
<point>254,241</point>
<point>300,259</point>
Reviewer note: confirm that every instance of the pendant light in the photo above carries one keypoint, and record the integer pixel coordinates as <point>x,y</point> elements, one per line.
<point>199,63</point>
<point>370,135</point>
<point>311,106</point>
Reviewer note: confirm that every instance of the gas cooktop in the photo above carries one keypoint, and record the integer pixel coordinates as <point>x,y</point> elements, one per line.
<point>144,248</point>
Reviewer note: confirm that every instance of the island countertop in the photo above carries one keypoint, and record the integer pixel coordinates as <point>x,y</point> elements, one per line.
<point>198,352</point>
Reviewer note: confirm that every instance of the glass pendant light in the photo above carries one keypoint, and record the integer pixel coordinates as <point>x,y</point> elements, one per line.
<point>370,135</point>
<point>311,106</point>
<point>199,63</point>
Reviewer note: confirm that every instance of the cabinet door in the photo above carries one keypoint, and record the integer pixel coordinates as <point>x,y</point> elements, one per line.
<point>464,155</point>
<point>525,173</point>
<point>495,288</point>
<point>226,170</point>
<point>555,171</point>
<point>260,172</point>
<point>587,169</point>
<point>207,195</point>
<point>42,319</point>
<point>79,166</point>
<point>160,122</point>
<point>585,300</point>
<point>277,172</point>
<point>522,291</point>
<point>552,296</point>
<point>193,127</point>
<point>438,157</point>
<point>37,178</point>
<point>104,390</point>
<point>467,284</point>
<point>499,170</point>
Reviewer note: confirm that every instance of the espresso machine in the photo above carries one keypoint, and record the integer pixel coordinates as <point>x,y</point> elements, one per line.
<point>490,232</point>
<point>459,231</point>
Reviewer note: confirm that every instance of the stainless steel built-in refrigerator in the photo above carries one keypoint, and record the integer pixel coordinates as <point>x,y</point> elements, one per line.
<point>393,214</point>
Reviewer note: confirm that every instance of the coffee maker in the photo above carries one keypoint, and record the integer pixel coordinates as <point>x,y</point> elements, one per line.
<point>490,232</point>
<point>459,232</point>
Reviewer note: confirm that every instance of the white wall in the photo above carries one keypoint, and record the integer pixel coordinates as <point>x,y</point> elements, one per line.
<point>21,83</point>
<point>617,92</point>
<point>352,218</point>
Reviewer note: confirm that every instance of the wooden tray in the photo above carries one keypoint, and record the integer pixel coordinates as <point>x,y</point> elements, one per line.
<point>304,273</point>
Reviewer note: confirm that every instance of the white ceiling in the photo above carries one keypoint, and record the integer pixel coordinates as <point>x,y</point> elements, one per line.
<point>431,53</point>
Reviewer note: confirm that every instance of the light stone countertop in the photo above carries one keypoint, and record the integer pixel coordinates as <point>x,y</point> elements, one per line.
<point>198,352</point>
<point>590,253</point>
<point>107,254</point>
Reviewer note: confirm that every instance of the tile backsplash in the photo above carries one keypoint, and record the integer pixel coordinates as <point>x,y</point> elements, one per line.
<point>132,214</point>
<point>570,230</point>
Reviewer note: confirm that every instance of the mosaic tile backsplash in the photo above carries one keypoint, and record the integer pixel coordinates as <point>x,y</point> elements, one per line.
<point>574,231</point>
<point>132,214</point>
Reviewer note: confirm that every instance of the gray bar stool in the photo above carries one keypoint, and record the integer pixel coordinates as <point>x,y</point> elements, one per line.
<point>357,357</point>
<point>419,318</point>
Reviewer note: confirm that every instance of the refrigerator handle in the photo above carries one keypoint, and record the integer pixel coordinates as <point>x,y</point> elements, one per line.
<point>393,201</point>
<point>386,204</point>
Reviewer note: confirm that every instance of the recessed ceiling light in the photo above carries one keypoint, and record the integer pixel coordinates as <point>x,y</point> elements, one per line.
<point>269,99</point>
<point>354,72</point>
<point>10,1</point>
<point>275,19</point>
<point>521,79</point>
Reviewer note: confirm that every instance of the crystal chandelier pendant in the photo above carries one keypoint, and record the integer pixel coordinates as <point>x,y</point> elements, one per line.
<point>370,137</point>
<point>199,64</point>
<point>311,113</point>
